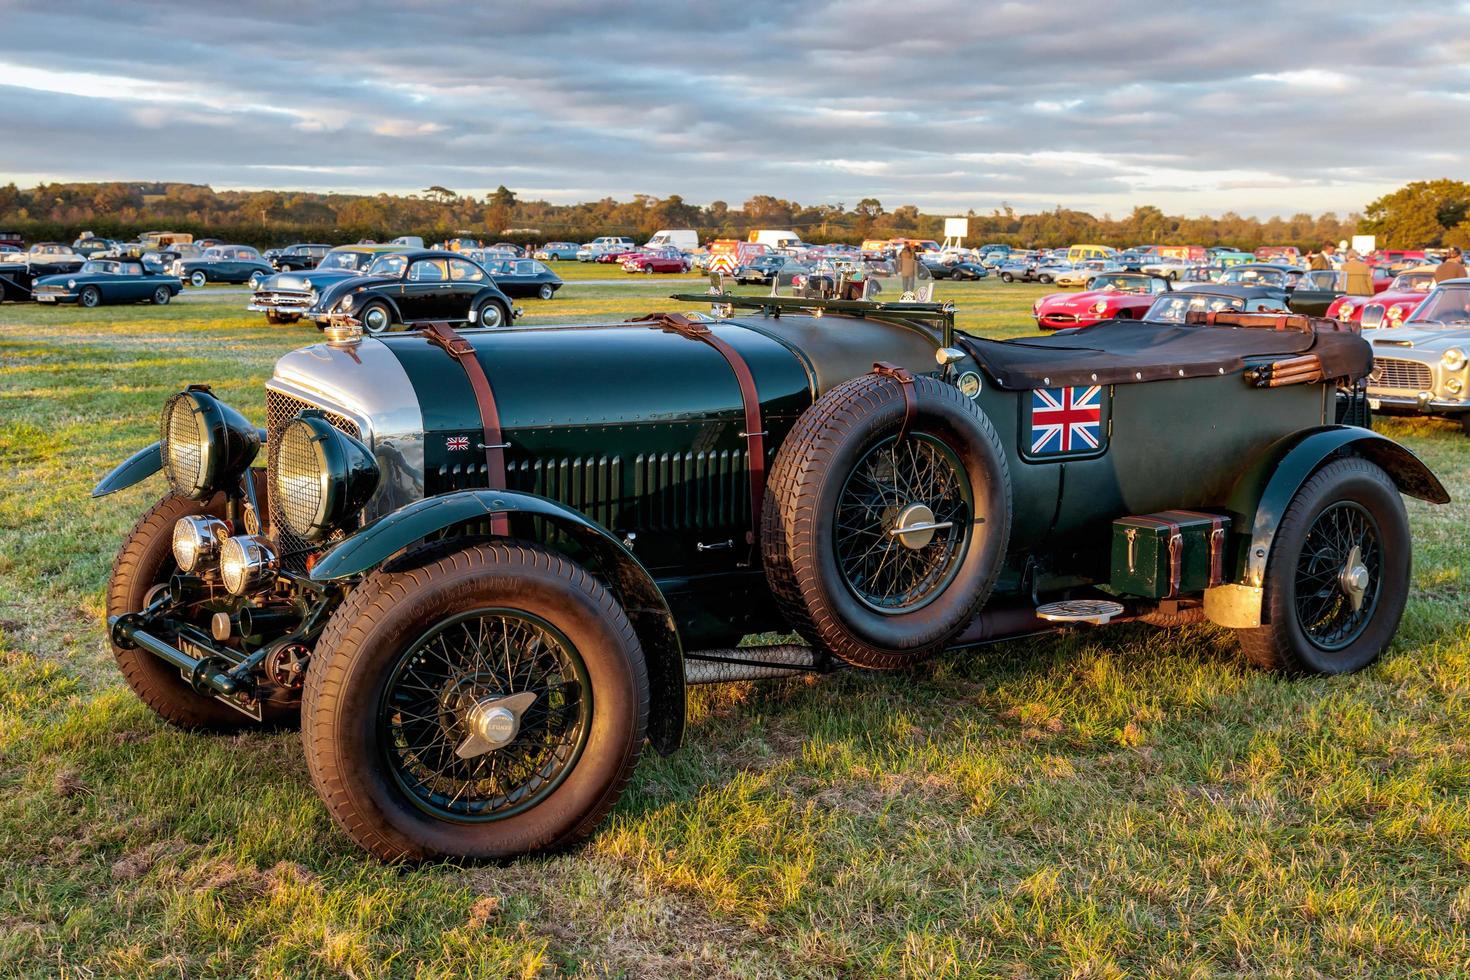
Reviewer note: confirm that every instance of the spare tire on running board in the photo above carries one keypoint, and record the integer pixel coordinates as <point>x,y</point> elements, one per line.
<point>878,548</point>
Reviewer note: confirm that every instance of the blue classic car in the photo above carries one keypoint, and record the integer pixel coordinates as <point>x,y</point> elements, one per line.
<point>558,252</point>
<point>101,281</point>
<point>225,263</point>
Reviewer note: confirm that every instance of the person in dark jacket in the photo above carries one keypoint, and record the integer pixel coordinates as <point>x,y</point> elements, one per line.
<point>1453,267</point>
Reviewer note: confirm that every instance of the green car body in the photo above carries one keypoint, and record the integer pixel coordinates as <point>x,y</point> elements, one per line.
<point>627,453</point>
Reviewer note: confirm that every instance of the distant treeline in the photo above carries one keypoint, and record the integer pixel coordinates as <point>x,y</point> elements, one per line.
<point>268,218</point>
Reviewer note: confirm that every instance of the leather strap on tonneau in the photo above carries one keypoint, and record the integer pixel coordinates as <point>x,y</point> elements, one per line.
<point>754,434</point>
<point>442,335</point>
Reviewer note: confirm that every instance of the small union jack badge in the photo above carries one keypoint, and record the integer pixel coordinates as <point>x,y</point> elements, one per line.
<point>457,443</point>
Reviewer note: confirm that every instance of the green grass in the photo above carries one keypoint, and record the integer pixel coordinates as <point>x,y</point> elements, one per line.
<point>1114,802</point>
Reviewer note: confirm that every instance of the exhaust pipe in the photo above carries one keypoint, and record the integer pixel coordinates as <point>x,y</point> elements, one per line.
<point>754,663</point>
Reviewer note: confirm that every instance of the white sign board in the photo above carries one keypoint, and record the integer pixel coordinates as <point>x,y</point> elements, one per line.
<point>956,227</point>
<point>1363,244</point>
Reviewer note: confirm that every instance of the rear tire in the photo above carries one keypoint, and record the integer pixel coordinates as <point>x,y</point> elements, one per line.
<point>146,560</point>
<point>392,680</point>
<point>198,279</point>
<point>161,296</point>
<point>1311,627</point>
<point>493,314</point>
<point>546,291</point>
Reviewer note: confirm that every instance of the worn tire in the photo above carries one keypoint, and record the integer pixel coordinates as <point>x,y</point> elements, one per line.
<point>145,560</point>
<point>1174,620</point>
<point>798,537</point>
<point>1281,644</point>
<point>399,603</point>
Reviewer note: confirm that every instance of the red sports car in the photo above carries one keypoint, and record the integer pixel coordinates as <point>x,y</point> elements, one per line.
<point>1110,296</point>
<point>1399,300</point>
<point>668,260</point>
<point>618,254</point>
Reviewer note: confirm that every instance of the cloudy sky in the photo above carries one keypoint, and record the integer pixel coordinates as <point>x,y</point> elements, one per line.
<point>1261,108</point>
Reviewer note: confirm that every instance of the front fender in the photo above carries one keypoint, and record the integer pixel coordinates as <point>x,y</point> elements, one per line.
<point>135,469</point>
<point>614,565</point>
<point>1263,493</point>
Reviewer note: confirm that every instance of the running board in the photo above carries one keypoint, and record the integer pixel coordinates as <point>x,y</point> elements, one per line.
<point>754,663</point>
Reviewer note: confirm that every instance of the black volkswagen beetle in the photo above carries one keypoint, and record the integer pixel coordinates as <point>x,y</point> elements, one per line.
<point>420,286</point>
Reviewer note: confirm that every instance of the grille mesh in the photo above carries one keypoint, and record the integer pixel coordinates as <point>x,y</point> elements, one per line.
<point>1393,372</point>
<point>280,409</point>
<point>296,486</point>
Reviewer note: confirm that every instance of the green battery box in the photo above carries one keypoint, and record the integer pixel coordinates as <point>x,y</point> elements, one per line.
<point>1168,554</point>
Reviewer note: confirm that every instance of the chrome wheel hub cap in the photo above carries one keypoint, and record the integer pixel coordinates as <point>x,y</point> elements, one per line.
<point>1354,579</point>
<point>915,526</point>
<point>494,723</point>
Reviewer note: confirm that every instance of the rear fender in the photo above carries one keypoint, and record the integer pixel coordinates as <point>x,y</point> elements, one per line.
<point>1264,492</point>
<point>597,549</point>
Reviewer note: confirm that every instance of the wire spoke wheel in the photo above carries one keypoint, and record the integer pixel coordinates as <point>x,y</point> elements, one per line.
<point>903,523</point>
<point>1338,575</point>
<point>467,661</point>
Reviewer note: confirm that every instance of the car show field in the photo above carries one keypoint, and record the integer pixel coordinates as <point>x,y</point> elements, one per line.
<point>1133,800</point>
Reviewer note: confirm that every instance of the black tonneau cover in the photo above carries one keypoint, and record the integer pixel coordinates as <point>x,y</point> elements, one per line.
<point>1130,352</point>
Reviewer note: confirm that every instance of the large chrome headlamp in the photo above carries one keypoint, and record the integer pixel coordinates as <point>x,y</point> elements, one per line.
<point>319,476</point>
<point>205,444</point>
<point>1452,359</point>
<point>247,564</point>
<point>197,540</point>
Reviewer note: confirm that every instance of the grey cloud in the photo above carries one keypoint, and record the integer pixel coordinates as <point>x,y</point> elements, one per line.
<point>949,104</point>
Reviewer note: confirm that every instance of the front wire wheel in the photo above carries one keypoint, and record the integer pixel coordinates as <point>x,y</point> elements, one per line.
<point>474,700</point>
<point>457,674</point>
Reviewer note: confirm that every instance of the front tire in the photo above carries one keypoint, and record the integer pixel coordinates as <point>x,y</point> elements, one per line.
<point>376,319</point>
<point>1345,532</point>
<point>1007,277</point>
<point>90,297</point>
<point>403,664</point>
<point>493,314</point>
<point>144,562</point>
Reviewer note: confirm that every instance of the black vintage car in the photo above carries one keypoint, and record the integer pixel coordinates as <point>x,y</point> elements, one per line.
<point>484,566</point>
<point>958,271</point>
<point>418,286</point>
<point>761,270</point>
<point>302,255</point>
<point>224,263</point>
<point>290,296</point>
<point>519,278</point>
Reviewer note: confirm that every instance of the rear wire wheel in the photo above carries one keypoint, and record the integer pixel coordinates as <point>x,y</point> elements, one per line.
<point>878,549</point>
<point>1337,578</point>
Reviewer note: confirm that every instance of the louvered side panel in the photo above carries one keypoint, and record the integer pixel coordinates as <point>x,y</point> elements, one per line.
<point>690,491</point>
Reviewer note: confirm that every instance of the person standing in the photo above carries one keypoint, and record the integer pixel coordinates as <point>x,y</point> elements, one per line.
<point>908,266</point>
<point>1319,260</point>
<point>1453,266</point>
<point>1357,278</point>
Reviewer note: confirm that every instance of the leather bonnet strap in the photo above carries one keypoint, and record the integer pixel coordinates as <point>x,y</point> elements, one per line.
<point>442,335</point>
<point>754,434</point>
<point>906,385</point>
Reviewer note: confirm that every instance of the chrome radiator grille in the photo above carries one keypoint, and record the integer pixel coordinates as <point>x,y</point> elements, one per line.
<point>280,409</point>
<point>1393,372</point>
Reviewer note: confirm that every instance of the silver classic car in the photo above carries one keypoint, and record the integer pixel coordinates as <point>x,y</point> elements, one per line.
<point>1420,368</point>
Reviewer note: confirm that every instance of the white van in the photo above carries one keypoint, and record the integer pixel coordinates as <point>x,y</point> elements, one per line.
<point>776,238</point>
<point>684,239</point>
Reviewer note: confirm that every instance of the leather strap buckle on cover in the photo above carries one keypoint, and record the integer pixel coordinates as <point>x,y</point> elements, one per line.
<point>1217,544</point>
<point>906,385</point>
<point>754,434</point>
<point>1176,550</point>
<point>442,335</point>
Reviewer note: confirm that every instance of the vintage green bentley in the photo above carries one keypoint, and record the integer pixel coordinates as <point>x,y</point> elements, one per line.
<point>483,566</point>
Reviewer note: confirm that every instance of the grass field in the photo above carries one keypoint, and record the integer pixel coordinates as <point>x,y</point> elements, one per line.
<point>1125,801</point>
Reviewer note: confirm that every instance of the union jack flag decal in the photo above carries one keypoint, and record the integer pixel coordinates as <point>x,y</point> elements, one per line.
<point>1066,420</point>
<point>457,443</point>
